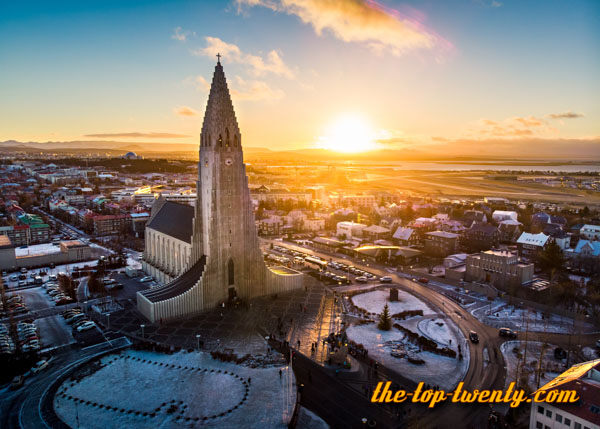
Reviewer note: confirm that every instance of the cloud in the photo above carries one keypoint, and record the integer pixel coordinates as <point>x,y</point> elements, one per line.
<point>254,90</point>
<point>179,34</point>
<point>259,66</point>
<point>186,111</point>
<point>517,126</point>
<point>198,82</point>
<point>359,21</point>
<point>488,3</point>
<point>138,135</point>
<point>566,115</point>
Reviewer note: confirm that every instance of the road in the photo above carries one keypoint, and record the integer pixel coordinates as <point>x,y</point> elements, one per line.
<point>480,374</point>
<point>25,409</point>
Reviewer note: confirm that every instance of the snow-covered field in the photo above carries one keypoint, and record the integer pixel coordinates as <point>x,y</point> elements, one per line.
<point>437,370</point>
<point>180,390</point>
<point>550,368</point>
<point>438,330</point>
<point>374,302</point>
<point>503,315</point>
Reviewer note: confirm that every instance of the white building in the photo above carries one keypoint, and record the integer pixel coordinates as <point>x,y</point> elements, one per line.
<point>584,380</point>
<point>590,232</point>
<point>500,215</point>
<point>350,229</point>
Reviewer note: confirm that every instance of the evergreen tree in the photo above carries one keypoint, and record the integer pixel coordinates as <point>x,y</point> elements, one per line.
<point>385,321</point>
<point>551,258</point>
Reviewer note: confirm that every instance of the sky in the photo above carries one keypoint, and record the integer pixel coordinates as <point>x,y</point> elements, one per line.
<point>347,75</point>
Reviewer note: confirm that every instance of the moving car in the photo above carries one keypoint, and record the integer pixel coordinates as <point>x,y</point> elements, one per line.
<point>146,279</point>
<point>39,366</point>
<point>507,332</point>
<point>423,280</point>
<point>17,382</point>
<point>473,337</point>
<point>385,279</point>
<point>362,279</point>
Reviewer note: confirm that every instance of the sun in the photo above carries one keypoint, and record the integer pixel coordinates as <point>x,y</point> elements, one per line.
<point>349,133</point>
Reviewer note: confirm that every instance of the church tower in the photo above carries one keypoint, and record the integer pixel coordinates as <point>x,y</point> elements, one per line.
<point>225,261</point>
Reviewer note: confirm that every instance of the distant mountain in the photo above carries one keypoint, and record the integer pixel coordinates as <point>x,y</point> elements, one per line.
<point>454,150</point>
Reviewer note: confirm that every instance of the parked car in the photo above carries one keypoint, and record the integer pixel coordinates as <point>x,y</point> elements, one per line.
<point>74,318</point>
<point>473,337</point>
<point>14,277</point>
<point>362,279</point>
<point>85,326</point>
<point>385,279</point>
<point>507,332</point>
<point>146,279</point>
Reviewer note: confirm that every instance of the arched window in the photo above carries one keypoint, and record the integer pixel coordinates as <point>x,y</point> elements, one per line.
<point>220,141</point>
<point>230,272</point>
<point>235,140</point>
<point>209,141</point>
<point>226,137</point>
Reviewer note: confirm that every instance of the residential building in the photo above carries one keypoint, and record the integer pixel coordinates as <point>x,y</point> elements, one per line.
<point>440,243</point>
<point>481,236</point>
<point>500,215</point>
<point>405,236</point>
<point>590,232</point>
<point>530,245</point>
<point>270,226</point>
<point>111,224</point>
<point>584,380</point>
<point>500,268</point>
<point>349,229</point>
<point>376,232</point>
<point>509,230</point>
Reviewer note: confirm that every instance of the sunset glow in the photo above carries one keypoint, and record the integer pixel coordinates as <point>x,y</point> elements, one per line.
<point>350,134</point>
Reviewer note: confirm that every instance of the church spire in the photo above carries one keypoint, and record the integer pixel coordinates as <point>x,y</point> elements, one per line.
<point>219,118</point>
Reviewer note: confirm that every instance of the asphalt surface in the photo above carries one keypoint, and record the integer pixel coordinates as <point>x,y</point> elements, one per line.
<point>480,374</point>
<point>23,408</point>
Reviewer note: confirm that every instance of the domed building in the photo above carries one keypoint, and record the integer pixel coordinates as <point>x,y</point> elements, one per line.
<point>131,155</point>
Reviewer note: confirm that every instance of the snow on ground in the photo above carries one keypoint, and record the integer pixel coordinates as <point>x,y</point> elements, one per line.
<point>374,301</point>
<point>179,389</point>
<point>520,319</point>
<point>590,353</point>
<point>437,370</point>
<point>551,367</point>
<point>437,330</point>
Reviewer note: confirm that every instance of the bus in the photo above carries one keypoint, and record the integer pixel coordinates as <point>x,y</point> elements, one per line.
<point>316,263</point>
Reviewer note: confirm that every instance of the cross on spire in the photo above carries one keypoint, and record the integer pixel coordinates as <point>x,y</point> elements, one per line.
<point>218,58</point>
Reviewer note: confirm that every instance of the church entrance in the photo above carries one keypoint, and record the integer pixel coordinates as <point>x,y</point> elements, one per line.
<point>232,293</point>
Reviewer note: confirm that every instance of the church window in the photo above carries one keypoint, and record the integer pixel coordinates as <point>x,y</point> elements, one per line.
<point>226,137</point>
<point>235,140</point>
<point>220,141</point>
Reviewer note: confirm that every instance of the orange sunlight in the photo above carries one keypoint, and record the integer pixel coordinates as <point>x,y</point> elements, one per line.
<point>349,133</point>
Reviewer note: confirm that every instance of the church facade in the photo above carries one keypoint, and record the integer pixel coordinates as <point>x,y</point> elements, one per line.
<point>209,254</point>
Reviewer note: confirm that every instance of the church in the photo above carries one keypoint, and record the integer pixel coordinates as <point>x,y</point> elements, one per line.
<point>209,254</point>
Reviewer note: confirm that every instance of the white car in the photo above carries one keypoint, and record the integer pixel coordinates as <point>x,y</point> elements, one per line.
<point>39,366</point>
<point>85,326</point>
<point>146,279</point>
<point>362,279</point>
<point>385,279</point>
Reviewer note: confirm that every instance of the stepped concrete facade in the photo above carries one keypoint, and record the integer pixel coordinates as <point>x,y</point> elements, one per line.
<point>209,254</point>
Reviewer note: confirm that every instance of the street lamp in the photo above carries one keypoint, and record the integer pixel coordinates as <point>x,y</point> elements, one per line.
<point>142,326</point>
<point>198,339</point>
